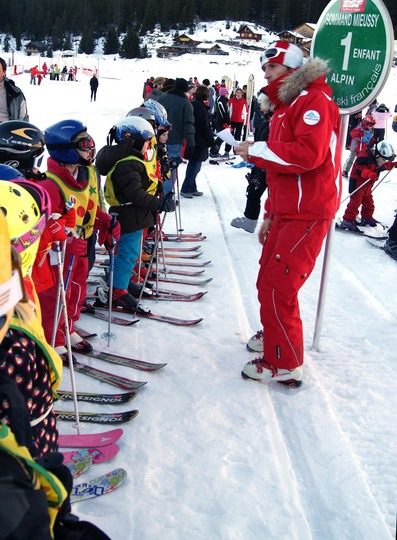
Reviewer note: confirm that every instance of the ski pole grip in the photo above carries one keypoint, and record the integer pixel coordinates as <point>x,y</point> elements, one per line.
<point>112,221</point>
<point>56,246</point>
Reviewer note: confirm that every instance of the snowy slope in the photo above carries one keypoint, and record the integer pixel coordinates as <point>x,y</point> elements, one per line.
<point>210,455</point>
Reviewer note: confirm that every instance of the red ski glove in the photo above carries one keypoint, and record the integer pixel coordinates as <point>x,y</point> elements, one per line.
<point>388,165</point>
<point>369,175</point>
<point>54,231</point>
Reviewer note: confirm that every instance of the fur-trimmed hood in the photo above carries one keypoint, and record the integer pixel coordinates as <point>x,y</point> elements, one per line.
<point>286,89</point>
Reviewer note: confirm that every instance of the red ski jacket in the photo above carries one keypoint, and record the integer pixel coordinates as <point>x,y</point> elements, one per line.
<point>238,109</point>
<point>302,153</point>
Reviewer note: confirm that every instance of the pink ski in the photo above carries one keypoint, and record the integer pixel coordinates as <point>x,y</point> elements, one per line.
<point>90,440</point>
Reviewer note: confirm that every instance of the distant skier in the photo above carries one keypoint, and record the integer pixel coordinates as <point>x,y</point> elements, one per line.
<point>94,83</point>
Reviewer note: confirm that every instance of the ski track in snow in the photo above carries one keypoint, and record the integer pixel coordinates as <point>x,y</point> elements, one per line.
<point>306,465</point>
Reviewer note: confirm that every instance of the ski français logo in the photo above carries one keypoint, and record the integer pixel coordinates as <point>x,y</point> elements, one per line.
<point>311,118</point>
<point>353,6</point>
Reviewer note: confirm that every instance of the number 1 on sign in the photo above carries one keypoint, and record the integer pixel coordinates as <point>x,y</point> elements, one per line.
<point>346,42</point>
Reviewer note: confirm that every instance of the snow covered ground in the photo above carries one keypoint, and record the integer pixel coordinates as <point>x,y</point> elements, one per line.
<point>211,456</point>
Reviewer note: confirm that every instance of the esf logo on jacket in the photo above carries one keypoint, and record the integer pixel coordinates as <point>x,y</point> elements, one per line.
<point>311,118</point>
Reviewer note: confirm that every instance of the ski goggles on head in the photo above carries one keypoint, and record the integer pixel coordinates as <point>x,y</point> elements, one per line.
<point>86,144</point>
<point>273,52</point>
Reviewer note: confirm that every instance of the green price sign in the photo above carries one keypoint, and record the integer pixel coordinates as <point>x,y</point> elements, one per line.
<point>356,37</point>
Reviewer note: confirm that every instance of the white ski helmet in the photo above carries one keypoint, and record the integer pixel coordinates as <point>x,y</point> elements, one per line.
<point>385,149</point>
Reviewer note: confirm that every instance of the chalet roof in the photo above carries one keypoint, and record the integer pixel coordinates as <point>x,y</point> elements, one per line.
<point>292,33</point>
<point>209,46</point>
<point>246,28</point>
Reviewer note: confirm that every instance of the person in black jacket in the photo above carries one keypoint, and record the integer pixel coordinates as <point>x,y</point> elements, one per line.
<point>256,177</point>
<point>94,83</point>
<point>222,121</point>
<point>204,139</point>
<point>130,191</point>
<point>180,116</point>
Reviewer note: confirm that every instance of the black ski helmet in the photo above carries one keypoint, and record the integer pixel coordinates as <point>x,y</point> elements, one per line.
<point>21,145</point>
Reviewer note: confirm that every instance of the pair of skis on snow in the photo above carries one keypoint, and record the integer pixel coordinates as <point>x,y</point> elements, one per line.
<point>123,383</point>
<point>93,449</point>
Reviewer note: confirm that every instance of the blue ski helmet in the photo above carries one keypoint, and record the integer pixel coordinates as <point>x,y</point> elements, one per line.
<point>61,140</point>
<point>136,128</point>
<point>159,112</point>
<point>9,173</point>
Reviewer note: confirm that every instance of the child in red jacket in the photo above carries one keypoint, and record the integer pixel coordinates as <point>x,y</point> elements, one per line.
<point>366,169</point>
<point>238,113</point>
<point>361,136</point>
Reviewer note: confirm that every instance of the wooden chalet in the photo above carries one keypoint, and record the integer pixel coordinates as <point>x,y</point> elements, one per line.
<point>245,32</point>
<point>291,36</point>
<point>210,48</point>
<point>186,41</point>
<point>35,47</point>
<point>306,30</point>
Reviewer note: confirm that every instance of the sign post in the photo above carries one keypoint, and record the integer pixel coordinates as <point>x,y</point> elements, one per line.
<point>356,37</point>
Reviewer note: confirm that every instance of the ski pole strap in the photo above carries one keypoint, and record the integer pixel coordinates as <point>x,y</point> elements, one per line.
<point>113,222</point>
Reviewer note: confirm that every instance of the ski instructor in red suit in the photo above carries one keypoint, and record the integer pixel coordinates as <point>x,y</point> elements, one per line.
<point>302,163</point>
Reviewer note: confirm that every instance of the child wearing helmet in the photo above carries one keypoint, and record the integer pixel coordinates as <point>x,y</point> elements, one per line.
<point>71,177</point>
<point>360,137</point>
<point>130,190</point>
<point>366,169</point>
<point>28,359</point>
<point>22,147</point>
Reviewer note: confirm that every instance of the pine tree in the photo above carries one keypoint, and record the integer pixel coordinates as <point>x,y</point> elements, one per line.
<point>130,45</point>
<point>87,42</point>
<point>111,44</point>
<point>6,43</point>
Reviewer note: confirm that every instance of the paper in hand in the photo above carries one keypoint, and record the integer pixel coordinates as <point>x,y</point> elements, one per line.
<point>227,137</point>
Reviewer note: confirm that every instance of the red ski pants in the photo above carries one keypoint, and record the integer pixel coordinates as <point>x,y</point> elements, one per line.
<point>288,258</point>
<point>363,197</point>
<point>75,295</point>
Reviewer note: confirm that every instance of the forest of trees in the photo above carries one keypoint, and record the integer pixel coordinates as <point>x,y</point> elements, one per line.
<point>55,22</point>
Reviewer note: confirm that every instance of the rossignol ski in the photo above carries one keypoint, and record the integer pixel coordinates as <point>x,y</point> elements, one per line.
<point>101,399</point>
<point>98,418</point>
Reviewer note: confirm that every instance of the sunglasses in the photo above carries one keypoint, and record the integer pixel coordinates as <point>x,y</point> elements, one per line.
<point>26,240</point>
